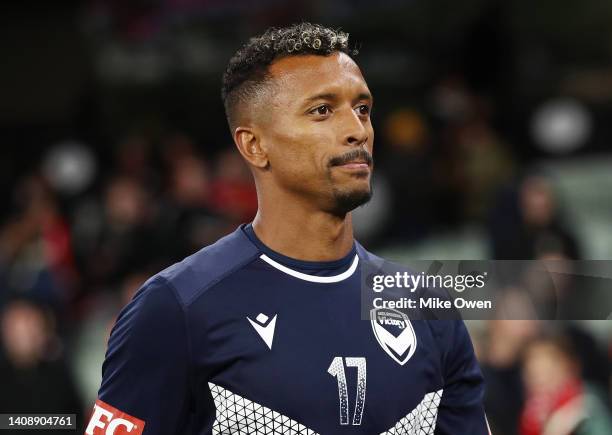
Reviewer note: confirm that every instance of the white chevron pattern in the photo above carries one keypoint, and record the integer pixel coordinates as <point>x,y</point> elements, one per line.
<point>422,419</point>
<point>239,416</point>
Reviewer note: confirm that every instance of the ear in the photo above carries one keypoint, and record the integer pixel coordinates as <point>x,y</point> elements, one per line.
<point>248,143</point>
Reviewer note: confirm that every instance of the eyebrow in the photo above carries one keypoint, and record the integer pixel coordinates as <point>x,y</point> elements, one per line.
<point>334,97</point>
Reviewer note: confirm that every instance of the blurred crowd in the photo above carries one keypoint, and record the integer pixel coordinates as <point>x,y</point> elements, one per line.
<point>92,212</point>
<point>65,255</point>
<point>75,246</point>
<point>544,379</point>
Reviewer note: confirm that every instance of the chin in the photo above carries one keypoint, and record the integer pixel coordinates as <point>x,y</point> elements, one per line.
<point>346,201</point>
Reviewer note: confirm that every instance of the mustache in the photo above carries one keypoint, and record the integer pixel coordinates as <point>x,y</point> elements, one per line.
<point>352,155</point>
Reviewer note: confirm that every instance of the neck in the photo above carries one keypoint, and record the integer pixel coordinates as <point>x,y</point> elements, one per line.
<point>302,232</point>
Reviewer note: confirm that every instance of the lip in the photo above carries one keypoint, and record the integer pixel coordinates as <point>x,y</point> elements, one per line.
<point>355,165</point>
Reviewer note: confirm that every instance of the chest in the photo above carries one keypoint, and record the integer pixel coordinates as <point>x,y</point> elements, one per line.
<point>306,356</point>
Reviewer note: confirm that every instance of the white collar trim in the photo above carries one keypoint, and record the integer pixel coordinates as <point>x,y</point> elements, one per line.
<point>313,278</point>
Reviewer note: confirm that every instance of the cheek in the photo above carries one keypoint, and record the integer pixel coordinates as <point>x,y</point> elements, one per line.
<point>300,153</point>
<point>371,138</point>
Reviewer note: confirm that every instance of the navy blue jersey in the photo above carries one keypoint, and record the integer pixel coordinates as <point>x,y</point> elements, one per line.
<point>239,339</point>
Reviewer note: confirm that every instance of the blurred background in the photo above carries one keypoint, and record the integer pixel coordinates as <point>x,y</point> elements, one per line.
<point>493,141</point>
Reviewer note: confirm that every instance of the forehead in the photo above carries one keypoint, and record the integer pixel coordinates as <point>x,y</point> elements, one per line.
<point>311,74</point>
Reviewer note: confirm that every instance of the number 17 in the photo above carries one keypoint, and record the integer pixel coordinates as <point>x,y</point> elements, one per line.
<point>336,369</point>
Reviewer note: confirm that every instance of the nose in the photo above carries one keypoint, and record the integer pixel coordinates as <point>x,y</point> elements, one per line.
<point>355,131</point>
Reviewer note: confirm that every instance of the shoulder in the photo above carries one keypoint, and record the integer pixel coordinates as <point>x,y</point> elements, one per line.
<point>159,308</point>
<point>366,256</point>
<point>195,274</point>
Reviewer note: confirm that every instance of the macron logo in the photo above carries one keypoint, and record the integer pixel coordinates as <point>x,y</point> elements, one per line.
<point>264,328</point>
<point>107,420</point>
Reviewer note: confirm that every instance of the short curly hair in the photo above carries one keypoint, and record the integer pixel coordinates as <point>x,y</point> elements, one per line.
<point>247,71</point>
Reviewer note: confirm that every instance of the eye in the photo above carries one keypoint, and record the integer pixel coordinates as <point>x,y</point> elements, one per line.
<point>363,109</point>
<point>322,110</point>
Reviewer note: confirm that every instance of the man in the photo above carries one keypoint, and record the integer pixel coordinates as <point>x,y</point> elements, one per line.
<point>261,333</point>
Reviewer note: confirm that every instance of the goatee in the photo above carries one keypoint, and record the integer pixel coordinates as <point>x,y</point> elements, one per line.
<point>346,202</point>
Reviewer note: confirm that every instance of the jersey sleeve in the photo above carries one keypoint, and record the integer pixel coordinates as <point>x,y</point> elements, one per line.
<point>461,409</point>
<point>145,375</point>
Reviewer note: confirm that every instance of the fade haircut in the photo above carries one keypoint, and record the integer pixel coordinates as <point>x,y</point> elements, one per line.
<point>248,70</point>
